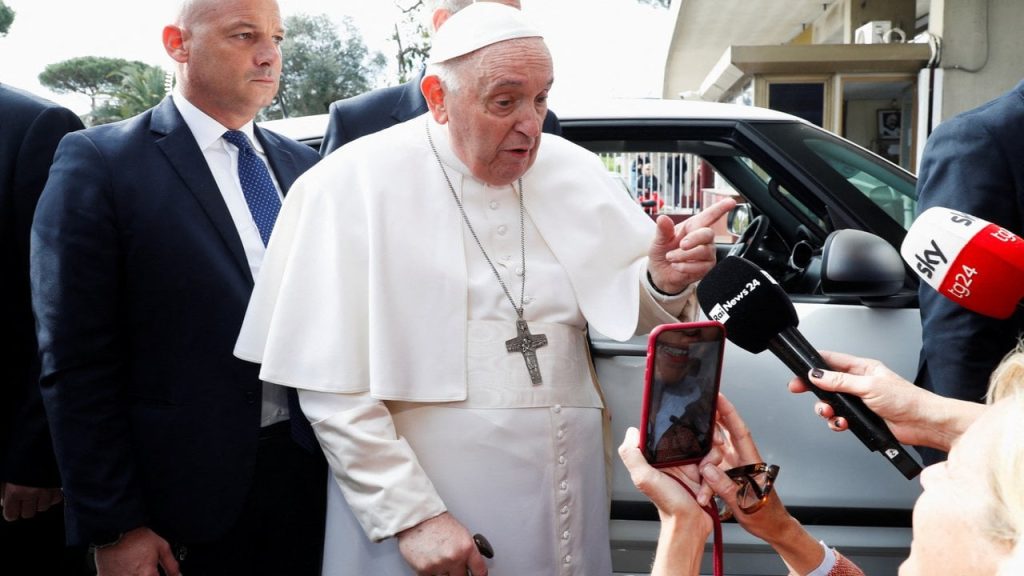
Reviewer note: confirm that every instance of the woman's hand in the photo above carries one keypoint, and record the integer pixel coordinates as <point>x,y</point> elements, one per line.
<point>914,415</point>
<point>771,522</point>
<point>684,524</point>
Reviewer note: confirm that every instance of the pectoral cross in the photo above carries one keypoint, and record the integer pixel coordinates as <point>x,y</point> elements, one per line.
<point>527,344</point>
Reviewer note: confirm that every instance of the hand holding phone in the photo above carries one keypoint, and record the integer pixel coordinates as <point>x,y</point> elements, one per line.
<point>684,364</point>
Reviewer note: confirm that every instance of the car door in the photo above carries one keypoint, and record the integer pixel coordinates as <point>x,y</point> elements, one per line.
<point>847,496</point>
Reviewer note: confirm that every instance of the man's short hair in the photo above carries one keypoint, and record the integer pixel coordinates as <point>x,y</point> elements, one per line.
<point>447,74</point>
<point>452,73</point>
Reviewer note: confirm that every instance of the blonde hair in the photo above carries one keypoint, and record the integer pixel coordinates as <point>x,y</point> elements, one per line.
<point>1005,520</point>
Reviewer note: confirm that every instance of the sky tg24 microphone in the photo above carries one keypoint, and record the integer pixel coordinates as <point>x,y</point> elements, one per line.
<point>974,263</point>
<point>759,315</point>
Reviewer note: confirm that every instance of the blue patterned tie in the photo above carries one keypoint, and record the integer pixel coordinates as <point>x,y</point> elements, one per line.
<point>257,187</point>
<point>264,204</point>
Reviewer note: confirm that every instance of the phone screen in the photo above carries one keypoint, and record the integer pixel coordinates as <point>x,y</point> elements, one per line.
<point>683,370</point>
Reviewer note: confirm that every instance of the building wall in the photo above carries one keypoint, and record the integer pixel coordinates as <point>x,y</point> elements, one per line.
<point>982,50</point>
<point>861,121</point>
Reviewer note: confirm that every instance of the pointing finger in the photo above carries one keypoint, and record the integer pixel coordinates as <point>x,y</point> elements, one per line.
<point>710,215</point>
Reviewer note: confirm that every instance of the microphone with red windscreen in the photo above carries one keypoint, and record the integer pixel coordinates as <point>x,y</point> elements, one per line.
<point>759,315</point>
<point>977,264</point>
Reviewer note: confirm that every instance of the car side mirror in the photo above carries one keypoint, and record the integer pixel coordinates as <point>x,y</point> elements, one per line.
<point>860,264</point>
<point>738,219</point>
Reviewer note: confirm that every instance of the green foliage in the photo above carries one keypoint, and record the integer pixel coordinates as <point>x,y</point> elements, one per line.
<point>142,87</point>
<point>93,76</point>
<point>6,18</point>
<point>321,66</point>
<point>656,3</point>
<point>411,38</point>
<point>117,88</point>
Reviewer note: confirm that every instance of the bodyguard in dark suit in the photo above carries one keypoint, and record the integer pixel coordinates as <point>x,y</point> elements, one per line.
<point>376,110</point>
<point>30,128</point>
<point>144,248</point>
<point>973,162</point>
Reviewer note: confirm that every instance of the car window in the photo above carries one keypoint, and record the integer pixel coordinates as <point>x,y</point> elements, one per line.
<point>786,197</point>
<point>833,159</point>
<point>895,197</point>
<point>679,177</point>
<point>659,181</point>
<point>680,184</point>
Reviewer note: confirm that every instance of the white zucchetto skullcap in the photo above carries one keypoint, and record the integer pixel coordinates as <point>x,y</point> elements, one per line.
<point>478,25</point>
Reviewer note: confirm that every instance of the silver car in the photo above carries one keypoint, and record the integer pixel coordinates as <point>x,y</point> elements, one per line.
<point>796,184</point>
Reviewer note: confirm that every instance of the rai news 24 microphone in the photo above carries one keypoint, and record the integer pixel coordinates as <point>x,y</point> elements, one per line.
<point>758,315</point>
<point>977,264</point>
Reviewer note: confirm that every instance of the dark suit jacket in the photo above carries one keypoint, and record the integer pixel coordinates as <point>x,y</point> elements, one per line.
<point>30,129</point>
<point>376,110</point>
<point>140,284</point>
<point>973,162</point>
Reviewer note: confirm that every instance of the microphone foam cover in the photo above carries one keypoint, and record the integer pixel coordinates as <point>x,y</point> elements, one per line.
<point>751,304</point>
<point>971,261</point>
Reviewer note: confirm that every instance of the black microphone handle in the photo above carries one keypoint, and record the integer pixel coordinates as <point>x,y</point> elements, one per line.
<point>795,352</point>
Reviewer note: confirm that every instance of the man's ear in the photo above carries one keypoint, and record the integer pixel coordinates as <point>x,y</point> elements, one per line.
<point>439,17</point>
<point>174,43</point>
<point>433,93</point>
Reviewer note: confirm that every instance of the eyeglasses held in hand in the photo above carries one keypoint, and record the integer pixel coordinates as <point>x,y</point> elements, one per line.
<point>755,483</point>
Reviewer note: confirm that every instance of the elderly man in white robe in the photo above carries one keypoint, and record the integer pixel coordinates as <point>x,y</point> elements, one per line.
<point>428,289</point>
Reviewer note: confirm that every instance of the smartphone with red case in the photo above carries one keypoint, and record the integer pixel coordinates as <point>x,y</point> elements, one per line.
<point>684,367</point>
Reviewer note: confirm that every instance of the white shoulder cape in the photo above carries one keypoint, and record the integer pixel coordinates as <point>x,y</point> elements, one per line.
<point>363,287</point>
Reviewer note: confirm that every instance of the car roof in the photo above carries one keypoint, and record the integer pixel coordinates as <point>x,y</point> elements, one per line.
<point>304,128</point>
<point>652,108</point>
<point>301,128</point>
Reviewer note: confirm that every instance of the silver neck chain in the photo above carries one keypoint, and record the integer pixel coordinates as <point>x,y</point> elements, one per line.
<point>465,218</point>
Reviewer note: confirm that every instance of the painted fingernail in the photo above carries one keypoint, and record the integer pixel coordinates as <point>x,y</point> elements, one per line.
<point>820,411</point>
<point>840,423</point>
<point>817,373</point>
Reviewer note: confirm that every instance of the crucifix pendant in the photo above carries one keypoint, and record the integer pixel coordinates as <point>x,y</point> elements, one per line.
<point>527,344</point>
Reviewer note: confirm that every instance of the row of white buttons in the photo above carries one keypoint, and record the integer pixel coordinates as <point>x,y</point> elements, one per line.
<point>563,485</point>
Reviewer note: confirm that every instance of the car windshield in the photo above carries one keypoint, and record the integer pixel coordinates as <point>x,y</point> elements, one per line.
<point>836,162</point>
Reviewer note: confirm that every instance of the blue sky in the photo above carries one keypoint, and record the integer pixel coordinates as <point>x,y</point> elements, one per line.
<point>600,47</point>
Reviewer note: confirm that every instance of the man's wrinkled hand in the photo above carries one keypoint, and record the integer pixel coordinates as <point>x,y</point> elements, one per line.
<point>441,545</point>
<point>683,253</point>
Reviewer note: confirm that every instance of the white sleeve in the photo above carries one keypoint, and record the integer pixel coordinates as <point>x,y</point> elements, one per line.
<point>378,472</point>
<point>827,563</point>
<point>659,308</point>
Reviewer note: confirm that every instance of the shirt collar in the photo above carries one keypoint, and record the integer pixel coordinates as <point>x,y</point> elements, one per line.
<point>205,129</point>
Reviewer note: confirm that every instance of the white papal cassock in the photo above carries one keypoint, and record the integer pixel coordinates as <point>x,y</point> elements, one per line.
<point>376,303</point>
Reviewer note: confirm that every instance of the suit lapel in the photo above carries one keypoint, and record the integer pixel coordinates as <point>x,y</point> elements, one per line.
<point>282,162</point>
<point>179,146</point>
<point>411,103</point>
